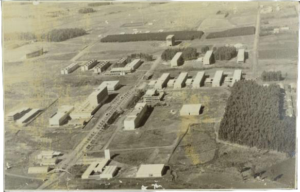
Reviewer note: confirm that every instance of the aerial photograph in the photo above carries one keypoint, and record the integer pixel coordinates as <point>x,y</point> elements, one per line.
<point>153,95</point>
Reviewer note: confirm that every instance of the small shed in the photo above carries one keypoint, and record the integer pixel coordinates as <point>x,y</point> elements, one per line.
<point>190,110</point>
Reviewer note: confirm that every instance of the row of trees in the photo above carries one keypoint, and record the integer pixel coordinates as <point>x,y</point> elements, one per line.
<point>187,53</point>
<point>271,76</point>
<point>252,117</point>
<point>57,35</point>
<point>86,10</point>
<point>144,56</point>
<point>26,36</point>
<point>225,53</point>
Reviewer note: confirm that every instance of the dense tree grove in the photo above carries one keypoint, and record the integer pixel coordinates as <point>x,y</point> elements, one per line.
<point>144,56</point>
<point>252,117</point>
<point>271,76</point>
<point>204,49</point>
<point>86,10</point>
<point>187,53</point>
<point>57,35</point>
<point>159,36</point>
<point>225,53</point>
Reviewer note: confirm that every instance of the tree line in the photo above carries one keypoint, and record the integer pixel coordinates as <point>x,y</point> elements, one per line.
<point>187,53</point>
<point>271,76</point>
<point>252,118</point>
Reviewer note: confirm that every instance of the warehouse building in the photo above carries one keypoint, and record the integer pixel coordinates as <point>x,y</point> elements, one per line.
<point>241,56</point>
<point>69,69</point>
<point>24,120</point>
<point>48,154</point>
<point>89,65</point>
<point>94,101</point>
<point>162,81</point>
<point>170,40</point>
<point>37,52</point>
<point>61,116</point>
<point>180,81</point>
<point>152,96</point>
<point>121,63</point>
<point>95,168</point>
<point>133,65</point>
<point>101,67</point>
<point>49,162</point>
<point>134,118</point>
<point>111,85</point>
<point>208,58</point>
<point>120,71</point>
<point>13,116</point>
<point>217,79</point>
<point>199,80</point>
<point>237,75</point>
<point>150,170</point>
<point>109,172</point>
<point>177,60</point>
<point>38,170</point>
<point>190,110</point>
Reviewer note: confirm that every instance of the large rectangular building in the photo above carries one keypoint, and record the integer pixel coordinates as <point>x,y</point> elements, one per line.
<point>217,79</point>
<point>13,116</point>
<point>150,170</point>
<point>162,81</point>
<point>49,162</point>
<point>133,65</point>
<point>89,65</point>
<point>87,108</point>
<point>111,85</point>
<point>177,60</point>
<point>61,116</point>
<point>69,69</point>
<point>241,56</point>
<point>24,120</point>
<point>121,63</point>
<point>170,40</point>
<point>120,71</point>
<point>237,75</point>
<point>208,58</point>
<point>109,172</point>
<point>199,80</point>
<point>190,110</point>
<point>101,67</point>
<point>134,118</point>
<point>180,81</point>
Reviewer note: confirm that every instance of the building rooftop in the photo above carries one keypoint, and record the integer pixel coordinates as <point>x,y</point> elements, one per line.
<point>208,54</point>
<point>147,169</point>
<point>177,56</point>
<point>190,108</point>
<point>170,36</point>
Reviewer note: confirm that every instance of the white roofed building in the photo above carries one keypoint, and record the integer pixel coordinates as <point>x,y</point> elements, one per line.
<point>199,80</point>
<point>180,81</point>
<point>217,79</point>
<point>162,81</point>
<point>134,118</point>
<point>177,60</point>
<point>150,170</point>
<point>237,75</point>
<point>241,56</point>
<point>208,58</point>
<point>190,110</point>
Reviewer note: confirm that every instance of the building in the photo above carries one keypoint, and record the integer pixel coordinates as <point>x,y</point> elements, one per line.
<point>241,56</point>
<point>188,82</point>
<point>109,172</point>
<point>162,81</point>
<point>171,83</point>
<point>48,154</point>
<point>13,116</point>
<point>152,96</point>
<point>170,40</point>
<point>111,85</point>
<point>120,71</point>
<point>38,170</point>
<point>107,154</point>
<point>199,80</point>
<point>94,101</point>
<point>61,116</point>
<point>69,69</point>
<point>180,81</point>
<point>150,170</point>
<point>190,110</point>
<point>217,79</point>
<point>89,65</point>
<point>135,117</point>
<point>89,171</point>
<point>121,63</point>
<point>208,58</point>
<point>177,60</point>
<point>133,65</point>
<point>101,67</point>
<point>37,52</point>
<point>237,75</point>
<point>49,162</point>
<point>28,117</point>
<point>95,168</point>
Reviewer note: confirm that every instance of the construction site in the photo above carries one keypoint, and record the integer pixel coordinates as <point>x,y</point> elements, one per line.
<point>137,101</point>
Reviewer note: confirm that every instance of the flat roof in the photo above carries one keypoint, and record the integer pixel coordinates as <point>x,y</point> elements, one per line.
<point>101,165</point>
<point>218,76</point>
<point>208,54</point>
<point>170,36</point>
<point>65,108</point>
<point>198,78</point>
<point>181,77</point>
<point>71,65</point>
<point>190,108</point>
<point>241,55</point>
<point>89,170</point>
<point>109,169</point>
<point>150,168</point>
<point>28,115</point>
<point>150,92</point>
<point>177,56</point>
